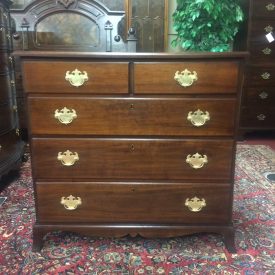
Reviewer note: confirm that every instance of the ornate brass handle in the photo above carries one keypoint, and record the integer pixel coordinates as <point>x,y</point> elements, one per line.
<point>261,117</point>
<point>68,158</point>
<point>270,7</point>
<point>195,204</point>
<point>186,78</point>
<point>76,77</point>
<point>65,116</point>
<point>268,28</point>
<point>198,118</point>
<point>267,51</point>
<point>71,202</point>
<point>263,95</point>
<point>265,75</point>
<point>196,161</point>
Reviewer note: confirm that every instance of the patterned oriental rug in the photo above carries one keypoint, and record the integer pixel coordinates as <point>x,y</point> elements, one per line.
<point>198,254</point>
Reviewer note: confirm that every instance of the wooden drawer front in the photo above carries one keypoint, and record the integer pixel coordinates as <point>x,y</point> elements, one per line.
<point>133,202</point>
<point>49,77</point>
<point>259,28</point>
<point>263,8</point>
<point>262,52</point>
<point>260,76</point>
<point>130,158</point>
<point>131,116</point>
<point>264,96</point>
<point>258,116</point>
<point>213,77</point>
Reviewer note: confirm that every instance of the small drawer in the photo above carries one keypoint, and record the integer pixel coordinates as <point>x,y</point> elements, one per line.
<point>75,77</point>
<point>132,116</point>
<point>258,116</point>
<point>259,29</point>
<point>186,78</point>
<point>262,52</point>
<point>264,96</point>
<point>124,158</point>
<point>133,203</point>
<point>260,76</point>
<point>263,8</point>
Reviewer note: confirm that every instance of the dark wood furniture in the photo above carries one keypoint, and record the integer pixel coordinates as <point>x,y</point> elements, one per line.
<point>133,143</point>
<point>258,111</point>
<point>82,26</point>
<point>11,146</point>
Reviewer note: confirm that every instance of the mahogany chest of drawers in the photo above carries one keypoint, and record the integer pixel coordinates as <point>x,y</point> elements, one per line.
<point>258,112</point>
<point>133,143</point>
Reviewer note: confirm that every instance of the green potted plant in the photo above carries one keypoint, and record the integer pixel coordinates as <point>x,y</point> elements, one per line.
<point>206,25</point>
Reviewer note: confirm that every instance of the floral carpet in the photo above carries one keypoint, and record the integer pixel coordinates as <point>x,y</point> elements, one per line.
<point>62,253</point>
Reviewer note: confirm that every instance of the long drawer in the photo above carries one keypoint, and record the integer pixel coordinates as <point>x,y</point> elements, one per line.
<point>80,158</point>
<point>203,77</point>
<point>132,116</point>
<point>133,202</point>
<point>75,77</point>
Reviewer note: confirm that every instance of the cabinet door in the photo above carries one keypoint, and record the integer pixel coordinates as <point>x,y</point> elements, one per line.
<point>148,19</point>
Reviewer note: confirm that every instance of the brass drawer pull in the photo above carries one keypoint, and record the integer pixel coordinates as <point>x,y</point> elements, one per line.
<point>195,204</point>
<point>186,78</point>
<point>196,161</point>
<point>261,117</point>
<point>198,118</point>
<point>270,7</point>
<point>71,202</point>
<point>267,51</point>
<point>65,116</point>
<point>76,77</point>
<point>68,158</point>
<point>268,28</point>
<point>266,76</point>
<point>263,95</point>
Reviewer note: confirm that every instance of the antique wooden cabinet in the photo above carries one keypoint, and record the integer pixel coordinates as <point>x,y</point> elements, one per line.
<point>133,143</point>
<point>258,111</point>
<point>92,26</point>
<point>11,146</point>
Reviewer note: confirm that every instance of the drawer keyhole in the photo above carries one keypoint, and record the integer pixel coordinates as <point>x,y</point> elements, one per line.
<point>132,147</point>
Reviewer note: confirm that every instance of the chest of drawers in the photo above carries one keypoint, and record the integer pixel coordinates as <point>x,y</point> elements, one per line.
<point>11,145</point>
<point>133,143</point>
<point>258,112</point>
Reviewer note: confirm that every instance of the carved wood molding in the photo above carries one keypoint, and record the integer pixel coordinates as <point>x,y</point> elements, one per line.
<point>66,3</point>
